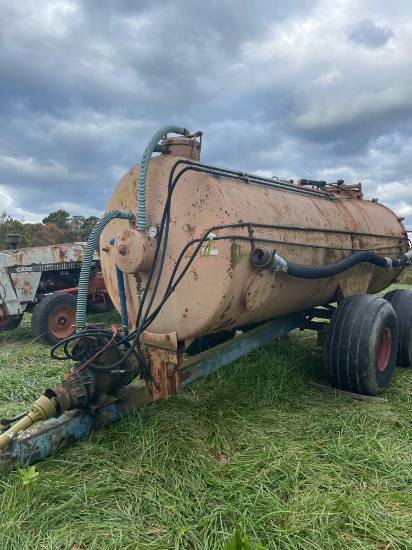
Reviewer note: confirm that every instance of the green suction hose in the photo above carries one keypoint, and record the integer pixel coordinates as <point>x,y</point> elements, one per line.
<point>88,260</point>
<point>123,214</point>
<point>144,164</point>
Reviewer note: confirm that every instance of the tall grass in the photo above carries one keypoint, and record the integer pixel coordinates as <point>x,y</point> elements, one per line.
<point>249,449</point>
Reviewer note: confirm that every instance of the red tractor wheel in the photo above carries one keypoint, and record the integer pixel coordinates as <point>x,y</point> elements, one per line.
<point>10,323</point>
<point>54,318</point>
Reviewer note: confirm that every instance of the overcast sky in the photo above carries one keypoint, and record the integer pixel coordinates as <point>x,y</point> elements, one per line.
<point>313,89</point>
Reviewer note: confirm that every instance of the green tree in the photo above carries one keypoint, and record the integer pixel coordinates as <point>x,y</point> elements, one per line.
<point>10,225</point>
<point>82,227</point>
<point>45,234</point>
<point>61,218</point>
<point>58,227</point>
<point>88,225</point>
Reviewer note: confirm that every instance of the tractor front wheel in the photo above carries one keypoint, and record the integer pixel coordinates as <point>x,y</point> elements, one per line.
<point>54,318</point>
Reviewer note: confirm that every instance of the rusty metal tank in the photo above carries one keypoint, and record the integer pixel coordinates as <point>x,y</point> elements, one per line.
<point>310,223</point>
<point>213,250</point>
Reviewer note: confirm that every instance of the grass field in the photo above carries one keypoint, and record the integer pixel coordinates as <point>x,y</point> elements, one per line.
<point>250,449</point>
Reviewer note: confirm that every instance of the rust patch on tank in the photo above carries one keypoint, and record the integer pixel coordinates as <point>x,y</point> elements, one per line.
<point>235,254</point>
<point>226,309</point>
<point>258,289</point>
<point>190,230</point>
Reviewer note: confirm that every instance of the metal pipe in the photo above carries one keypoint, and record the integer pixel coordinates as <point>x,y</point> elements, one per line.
<point>263,257</point>
<point>122,298</point>
<point>122,294</point>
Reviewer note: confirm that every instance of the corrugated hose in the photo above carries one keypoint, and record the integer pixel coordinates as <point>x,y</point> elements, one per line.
<point>88,260</point>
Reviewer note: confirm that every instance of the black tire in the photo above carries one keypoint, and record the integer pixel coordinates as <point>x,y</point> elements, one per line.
<point>361,344</point>
<point>54,318</point>
<point>401,301</point>
<point>99,307</point>
<point>10,324</point>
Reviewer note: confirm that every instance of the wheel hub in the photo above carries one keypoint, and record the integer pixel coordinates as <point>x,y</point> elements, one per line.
<point>62,321</point>
<point>384,351</point>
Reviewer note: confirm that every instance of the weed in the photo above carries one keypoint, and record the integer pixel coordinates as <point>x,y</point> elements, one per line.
<point>28,475</point>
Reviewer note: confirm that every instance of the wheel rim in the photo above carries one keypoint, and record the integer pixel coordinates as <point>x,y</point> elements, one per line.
<point>4,321</point>
<point>384,350</point>
<point>62,322</point>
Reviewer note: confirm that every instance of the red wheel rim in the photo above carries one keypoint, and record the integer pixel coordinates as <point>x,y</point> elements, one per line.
<point>4,321</point>
<point>62,322</point>
<point>384,350</point>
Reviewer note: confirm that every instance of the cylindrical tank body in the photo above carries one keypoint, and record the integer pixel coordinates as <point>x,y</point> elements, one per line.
<point>221,288</point>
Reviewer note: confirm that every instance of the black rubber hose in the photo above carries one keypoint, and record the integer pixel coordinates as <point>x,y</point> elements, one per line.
<point>323,271</point>
<point>402,260</point>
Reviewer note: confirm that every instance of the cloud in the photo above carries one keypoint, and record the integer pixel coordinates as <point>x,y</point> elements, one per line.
<point>313,89</point>
<point>369,34</point>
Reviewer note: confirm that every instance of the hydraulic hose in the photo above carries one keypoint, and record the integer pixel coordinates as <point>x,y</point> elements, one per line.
<point>262,257</point>
<point>122,298</point>
<point>88,260</point>
<point>323,271</point>
<point>144,164</point>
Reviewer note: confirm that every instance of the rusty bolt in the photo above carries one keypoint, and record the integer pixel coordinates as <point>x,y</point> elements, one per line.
<point>375,200</point>
<point>122,250</point>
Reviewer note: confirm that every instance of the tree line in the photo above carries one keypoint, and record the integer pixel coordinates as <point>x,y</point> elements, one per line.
<point>56,228</point>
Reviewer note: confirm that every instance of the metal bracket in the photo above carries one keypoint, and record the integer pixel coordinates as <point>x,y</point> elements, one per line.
<point>164,361</point>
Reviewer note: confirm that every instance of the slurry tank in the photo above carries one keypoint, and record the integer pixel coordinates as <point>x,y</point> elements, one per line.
<point>205,264</point>
<point>309,223</point>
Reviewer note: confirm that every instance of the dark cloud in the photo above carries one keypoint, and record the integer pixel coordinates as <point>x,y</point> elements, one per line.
<point>275,86</point>
<point>369,34</point>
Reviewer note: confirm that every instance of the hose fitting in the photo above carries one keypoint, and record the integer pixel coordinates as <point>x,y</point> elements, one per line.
<point>263,257</point>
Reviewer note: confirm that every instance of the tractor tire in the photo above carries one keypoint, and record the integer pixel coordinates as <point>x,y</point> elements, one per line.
<point>7,323</point>
<point>361,344</point>
<point>401,301</point>
<point>54,318</point>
